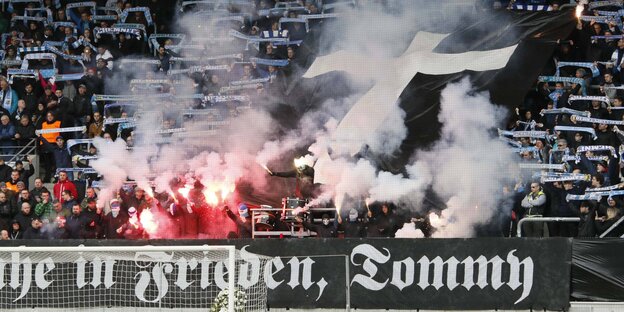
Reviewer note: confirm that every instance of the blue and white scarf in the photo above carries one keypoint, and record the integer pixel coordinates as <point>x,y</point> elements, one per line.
<point>584,197</point>
<point>603,99</point>
<point>565,177</point>
<point>594,195</point>
<point>524,134</point>
<point>555,95</point>
<point>577,159</point>
<point>594,148</point>
<point>598,121</point>
<point>603,189</point>
<point>146,11</point>
<point>510,141</point>
<point>577,129</point>
<point>595,71</point>
<point>598,4</point>
<point>580,81</point>
<point>564,110</point>
<point>90,4</point>
<point>542,166</point>
<point>269,62</point>
<point>531,7</point>
<point>132,29</point>
<point>7,98</point>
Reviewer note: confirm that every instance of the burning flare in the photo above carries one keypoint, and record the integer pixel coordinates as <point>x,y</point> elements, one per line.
<point>299,162</point>
<point>267,169</point>
<point>217,192</point>
<point>149,223</point>
<point>579,10</point>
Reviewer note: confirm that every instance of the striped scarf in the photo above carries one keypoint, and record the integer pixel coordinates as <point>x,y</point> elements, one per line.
<point>603,189</point>
<point>564,110</point>
<point>524,134</point>
<point>595,71</point>
<point>593,148</point>
<point>598,4</point>
<point>510,141</point>
<point>583,197</point>
<point>269,62</point>
<point>565,177</point>
<point>542,166</point>
<point>594,195</point>
<point>577,159</point>
<point>531,7</point>
<point>577,129</point>
<point>598,120</point>
<point>531,149</point>
<point>146,11</point>
<point>603,99</point>
<point>580,81</point>
<point>90,4</point>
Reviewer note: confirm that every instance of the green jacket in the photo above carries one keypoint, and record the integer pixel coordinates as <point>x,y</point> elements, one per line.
<point>43,209</point>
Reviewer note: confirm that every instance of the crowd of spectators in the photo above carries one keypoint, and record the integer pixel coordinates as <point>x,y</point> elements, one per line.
<point>57,54</point>
<point>590,149</point>
<point>93,48</point>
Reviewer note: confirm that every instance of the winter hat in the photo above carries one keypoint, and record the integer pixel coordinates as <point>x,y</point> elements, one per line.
<point>243,210</point>
<point>114,204</point>
<point>132,211</point>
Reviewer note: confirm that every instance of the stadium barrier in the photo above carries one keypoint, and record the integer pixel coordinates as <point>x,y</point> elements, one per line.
<point>437,274</point>
<point>543,219</point>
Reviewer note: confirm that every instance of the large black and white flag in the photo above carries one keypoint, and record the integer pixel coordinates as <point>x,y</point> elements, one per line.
<point>501,52</point>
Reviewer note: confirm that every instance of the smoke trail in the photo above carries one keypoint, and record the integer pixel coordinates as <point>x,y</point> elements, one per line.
<point>469,164</point>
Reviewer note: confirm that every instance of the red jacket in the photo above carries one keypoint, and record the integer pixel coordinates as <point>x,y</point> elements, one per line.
<point>59,187</point>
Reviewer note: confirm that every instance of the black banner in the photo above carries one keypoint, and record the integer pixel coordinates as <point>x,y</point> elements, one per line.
<point>461,274</point>
<point>597,270</point>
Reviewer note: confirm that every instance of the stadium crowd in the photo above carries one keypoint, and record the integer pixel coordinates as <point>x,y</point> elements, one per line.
<point>578,103</point>
<point>56,55</point>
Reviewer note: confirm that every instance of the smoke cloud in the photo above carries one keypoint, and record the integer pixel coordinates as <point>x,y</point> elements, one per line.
<point>466,167</point>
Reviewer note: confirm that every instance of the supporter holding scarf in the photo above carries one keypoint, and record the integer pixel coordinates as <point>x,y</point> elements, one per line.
<point>8,96</point>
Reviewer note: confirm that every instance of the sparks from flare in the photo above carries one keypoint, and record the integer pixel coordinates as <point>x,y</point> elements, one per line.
<point>267,169</point>
<point>148,222</point>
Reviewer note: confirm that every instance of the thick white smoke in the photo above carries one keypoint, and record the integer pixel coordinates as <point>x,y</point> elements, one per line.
<point>469,165</point>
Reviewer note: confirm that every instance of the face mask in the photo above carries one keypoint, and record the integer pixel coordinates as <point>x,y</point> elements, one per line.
<point>115,212</point>
<point>326,222</point>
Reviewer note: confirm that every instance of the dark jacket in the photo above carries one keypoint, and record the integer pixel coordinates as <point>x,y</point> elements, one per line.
<point>244,227</point>
<point>7,210</point>
<point>111,224</point>
<point>5,173</point>
<point>26,133</point>
<point>386,224</point>
<point>586,226</point>
<point>62,159</point>
<point>321,230</point>
<point>75,226</point>
<point>32,233</point>
<point>82,105</point>
<point>93,222</point>
<point>24,220</point>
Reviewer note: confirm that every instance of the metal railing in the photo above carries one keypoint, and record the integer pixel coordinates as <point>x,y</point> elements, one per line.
<point>14,153</point>
<point>611,228</point>
<point>293,229</point>
<point>544,219</point>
